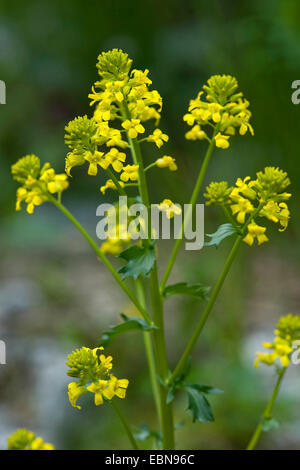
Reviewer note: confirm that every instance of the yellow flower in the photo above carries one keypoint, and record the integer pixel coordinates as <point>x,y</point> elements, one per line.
<point>222,141</point>
<point>118,387</point>
<point>130,172</point>
<point>169,208</point>
<point>101,389</point>
<point>255,231</point>
<point>196,133</point>
<point>158,138</point>
<point>133,127</point>
<point>167,162</point>
<point>112,246</point>
<point>245,187</point>
<point>75,390</point>
<point>116,159</point>
<point>22,439</point>
<point>73,159</point>
<point>110,185</point>
<point>241,208</point>
<point>287,331</point>
<point>94,160</point>
<point>55,183</point>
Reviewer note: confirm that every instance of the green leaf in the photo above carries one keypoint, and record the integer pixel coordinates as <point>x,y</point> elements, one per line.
<point>268,424</point>
<point>224,231</point>
<point>183,288</point>
<point>206,389</point>
<point>130,324</point>
<point>170,394</point>
<point>140,261</point>
<point>144,432</point>
<point>199,405</point>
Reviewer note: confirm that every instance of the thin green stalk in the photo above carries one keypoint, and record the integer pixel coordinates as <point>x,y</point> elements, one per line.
<point>267,413</point>
<point>167,423</point>
<point>150,166</point>
<point>166,411</point>
<point>126,425</point>
<point>114,179</point>
<point>207,310</point>
<point>213,296</point>
<point>149,350</point>
<point>103,258</point>
<point>189,213</point>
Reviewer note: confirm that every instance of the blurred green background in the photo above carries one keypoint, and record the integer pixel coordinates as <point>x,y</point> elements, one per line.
<point>55,296</point>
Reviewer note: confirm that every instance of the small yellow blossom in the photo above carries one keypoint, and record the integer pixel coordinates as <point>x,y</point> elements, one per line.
<point>158,138</point>
<point>95,159</point>
<point>133,127</point>
<point>255,231</point>
<point>196,133</point>
<point>118,387</point>
<point>110,185</point>
<point>130,173</point>
<point>101,389</point>
<point>22,439</point>
<point>169,208</point>
<point>287,331</point>
<point>222,141</point>
<point>75,390</point>
<point>241,208</point>
<point>167,162</point>
<point>116,159</point>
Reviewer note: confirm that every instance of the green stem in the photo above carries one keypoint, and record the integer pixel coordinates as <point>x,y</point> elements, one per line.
<point>103,258</point>
<point>150,166</point>
<point>114,179</point>
<point>214,295</point>
<point>268,411</point>
<point>126,425</point>
<point>166,411</point>
<point>149,350</point>
<point>189,213</point>
<point>207,310</point>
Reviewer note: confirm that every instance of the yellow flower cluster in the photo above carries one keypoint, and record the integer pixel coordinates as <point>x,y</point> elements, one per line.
<point>287,331</point>
<point>248,199</point>
<point>37,184</point>
<point>224,109</point>
<point>22,439</point>
<point>93,369</point>
<point>166,162</point>
<point>121,95</point>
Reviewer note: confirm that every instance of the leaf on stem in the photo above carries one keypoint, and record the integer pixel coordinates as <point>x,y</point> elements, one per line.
<point>140,261</point>
<point>268,424</point>
<point>129,324</point>
<point>183,288</point>
<point>223,231</point>
<point>199,405</point>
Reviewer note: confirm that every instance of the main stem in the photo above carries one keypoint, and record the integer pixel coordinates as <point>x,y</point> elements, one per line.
<point>166,411</point>
<point>149,350</point>
<point>125,424</point>
<point>207,310</point>
<point>189,213</point>
<point>267,413</point>
<point>103,258</point>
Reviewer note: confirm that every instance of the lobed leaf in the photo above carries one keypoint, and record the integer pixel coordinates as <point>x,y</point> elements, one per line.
<point>223,231</point>
<point>183,288</point>
<point>129,324</point>
<point>140,261</point>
